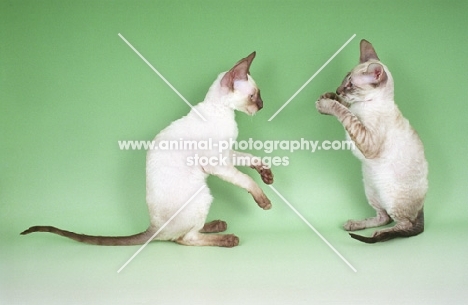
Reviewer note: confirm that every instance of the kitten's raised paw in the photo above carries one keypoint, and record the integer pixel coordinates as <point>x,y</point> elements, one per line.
<point>265,173</point>
<point>263,201</point>
<point>330,95</point>
<point>325,105</point>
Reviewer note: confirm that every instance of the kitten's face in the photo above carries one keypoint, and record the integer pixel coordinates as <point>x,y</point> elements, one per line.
<point>363,82</point>
<point>368,80</point>
<point>239,89</point>
<point>246,97</point>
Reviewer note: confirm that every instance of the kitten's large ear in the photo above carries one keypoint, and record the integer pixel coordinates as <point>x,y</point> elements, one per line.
<point>238,72</point>
<point>376,73</point>
<point>367,52</point>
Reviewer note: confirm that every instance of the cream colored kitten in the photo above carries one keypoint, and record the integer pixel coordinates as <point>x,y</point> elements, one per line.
<point>393,163</point>
<point>171,182</point>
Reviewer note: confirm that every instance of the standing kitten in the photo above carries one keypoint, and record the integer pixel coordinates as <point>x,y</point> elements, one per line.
<point>171,182</point>
<point>393,163</point>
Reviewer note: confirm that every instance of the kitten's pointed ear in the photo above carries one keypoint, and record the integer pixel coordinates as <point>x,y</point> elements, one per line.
<point>367,52</point>
<point>238,72</point>
<point>376,73</point>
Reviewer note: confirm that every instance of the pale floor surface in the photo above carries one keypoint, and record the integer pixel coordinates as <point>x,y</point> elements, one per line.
<point>267,268</point>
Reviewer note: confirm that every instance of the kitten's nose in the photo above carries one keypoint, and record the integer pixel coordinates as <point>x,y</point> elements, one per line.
<point>259,101</point>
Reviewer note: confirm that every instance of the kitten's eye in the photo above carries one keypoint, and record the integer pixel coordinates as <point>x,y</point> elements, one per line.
<point>349,85</point>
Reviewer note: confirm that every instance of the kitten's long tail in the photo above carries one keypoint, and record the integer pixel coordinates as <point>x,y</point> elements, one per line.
<point>417,226</point>
<point>137,239</point>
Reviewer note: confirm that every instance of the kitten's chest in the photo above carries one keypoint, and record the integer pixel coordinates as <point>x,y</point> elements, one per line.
<point>223,130</point>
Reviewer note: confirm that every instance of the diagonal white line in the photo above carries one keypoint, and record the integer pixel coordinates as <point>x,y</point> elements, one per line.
<point>312,77</point>
<point>313,229</point>
<point>161,76</point>
<point>161,228</point>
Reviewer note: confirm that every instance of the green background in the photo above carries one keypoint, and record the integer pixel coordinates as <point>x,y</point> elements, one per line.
<point>70,88</point>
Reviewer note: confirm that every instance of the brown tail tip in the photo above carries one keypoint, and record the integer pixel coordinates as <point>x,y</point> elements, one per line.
<point>30,230</point>
<point>35,229</point>
<point>368,240</point>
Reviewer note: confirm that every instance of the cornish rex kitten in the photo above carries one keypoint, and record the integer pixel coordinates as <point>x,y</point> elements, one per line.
<point>393,163</point>
<point>171,182</point>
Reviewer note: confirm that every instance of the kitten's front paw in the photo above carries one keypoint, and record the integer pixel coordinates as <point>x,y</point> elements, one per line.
<point>330,95</point>
<point>267,175</point>
<point>325,105</point>
<point>265,172</point>
<point>263,201</point>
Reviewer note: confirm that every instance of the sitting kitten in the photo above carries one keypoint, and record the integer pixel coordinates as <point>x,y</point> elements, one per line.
<point>171,182</point>
<point>393,163</point>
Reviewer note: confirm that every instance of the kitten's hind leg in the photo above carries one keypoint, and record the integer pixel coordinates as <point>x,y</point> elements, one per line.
<point>381,219</point>
<point>214,226</point>
<point>199,239</point>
